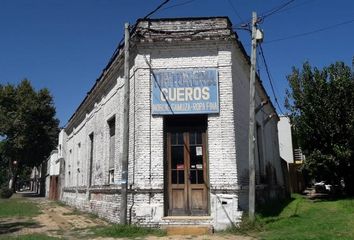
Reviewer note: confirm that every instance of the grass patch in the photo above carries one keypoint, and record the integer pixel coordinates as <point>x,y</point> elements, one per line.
<point>16,207</point>
<point>302,218</point>
<point>29,237</point>
<point>127,231</point>
<point>347,204</point>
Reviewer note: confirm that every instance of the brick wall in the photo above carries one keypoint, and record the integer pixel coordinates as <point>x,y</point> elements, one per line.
<point>227,131</point>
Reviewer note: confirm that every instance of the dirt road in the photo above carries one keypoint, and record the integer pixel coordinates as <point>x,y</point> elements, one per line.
<point>64,222</point>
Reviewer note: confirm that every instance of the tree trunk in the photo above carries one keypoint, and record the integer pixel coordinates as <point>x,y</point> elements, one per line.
<point>13,179</point>
<point>43,171</point>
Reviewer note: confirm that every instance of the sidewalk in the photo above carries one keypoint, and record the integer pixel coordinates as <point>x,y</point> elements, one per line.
<point>61,221</point>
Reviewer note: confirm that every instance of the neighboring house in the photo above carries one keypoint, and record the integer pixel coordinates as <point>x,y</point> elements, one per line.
<point>285,139</point>
<point>61,154</point>
<point>52,177</point>
<point>188,130</point>
<point>293,157</point>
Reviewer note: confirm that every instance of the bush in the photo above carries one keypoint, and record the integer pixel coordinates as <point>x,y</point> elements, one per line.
<point>5,192</point>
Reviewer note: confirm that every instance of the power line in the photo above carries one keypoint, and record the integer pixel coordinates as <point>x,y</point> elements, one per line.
<point>158,85</point>
<point>266,67</point>
<point>236,12</point>
<point>276,9</point>
<point>296,6</point>
<point>120,44</point>
<point>268,13</point>
<point>259,67</point>
<point>311,32</point>
<point>177,5</point>
<point>156,9</point>
<point>270,78</point>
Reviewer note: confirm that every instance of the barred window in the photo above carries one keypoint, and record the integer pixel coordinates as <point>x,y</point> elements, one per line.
<point>112,133</point>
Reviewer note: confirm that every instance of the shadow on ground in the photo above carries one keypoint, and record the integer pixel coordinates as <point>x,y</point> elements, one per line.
<point>7,227</point>
<point>274,208</point>
<point>30,195</point>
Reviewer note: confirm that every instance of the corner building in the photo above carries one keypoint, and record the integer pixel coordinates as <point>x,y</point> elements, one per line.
<point>188,130</point>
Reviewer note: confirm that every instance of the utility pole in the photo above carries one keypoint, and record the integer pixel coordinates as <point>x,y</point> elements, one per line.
<point>256,35</point>
<point>125,154</point>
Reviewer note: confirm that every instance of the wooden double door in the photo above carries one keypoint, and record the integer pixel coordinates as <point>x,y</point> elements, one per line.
<point>187,171</point>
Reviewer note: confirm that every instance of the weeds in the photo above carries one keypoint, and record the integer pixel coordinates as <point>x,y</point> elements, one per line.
<point>246,227</point>
<point>29,237</point>
<point>92,215</point>
<point>128,231</point>
<point>59,203</point>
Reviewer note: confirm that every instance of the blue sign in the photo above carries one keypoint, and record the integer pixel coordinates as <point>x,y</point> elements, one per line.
<point>185,91</point>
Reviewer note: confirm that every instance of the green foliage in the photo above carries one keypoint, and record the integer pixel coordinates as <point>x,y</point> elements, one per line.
<point>127,231</point>
<point>28,126</point>
<point>18,208</point>
<point>5,192</point>
<point>322,111</point>
<point>4,172</point>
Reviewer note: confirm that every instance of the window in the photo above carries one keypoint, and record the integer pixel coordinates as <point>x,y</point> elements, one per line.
<point>78,161</point>
<point>70,175</point>
<point>112,133</point>
<point>90,159</point>
<point>111,176</point>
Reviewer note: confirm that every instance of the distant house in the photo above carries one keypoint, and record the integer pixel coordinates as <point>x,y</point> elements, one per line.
<point>52,177</point>
<point>34,179</point>
<point>188,130</point>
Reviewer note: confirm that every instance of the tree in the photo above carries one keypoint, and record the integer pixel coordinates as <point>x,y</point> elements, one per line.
<point>28,126</point>
<point>321,103</point>
<point>3,169</point>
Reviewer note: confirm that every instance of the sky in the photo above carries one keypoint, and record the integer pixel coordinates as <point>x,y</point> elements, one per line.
<point>64,45</point>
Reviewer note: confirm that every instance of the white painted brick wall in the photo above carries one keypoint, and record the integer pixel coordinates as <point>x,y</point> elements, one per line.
<point>227,138</point>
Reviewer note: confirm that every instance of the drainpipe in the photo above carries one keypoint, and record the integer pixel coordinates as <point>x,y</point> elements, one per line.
<point>125,155</point>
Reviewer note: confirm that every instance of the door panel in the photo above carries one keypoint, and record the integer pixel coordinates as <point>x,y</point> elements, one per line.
<point>177,174</point>
<point>178,199</point>
<point>198,198</point>
<point>186,157</point>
